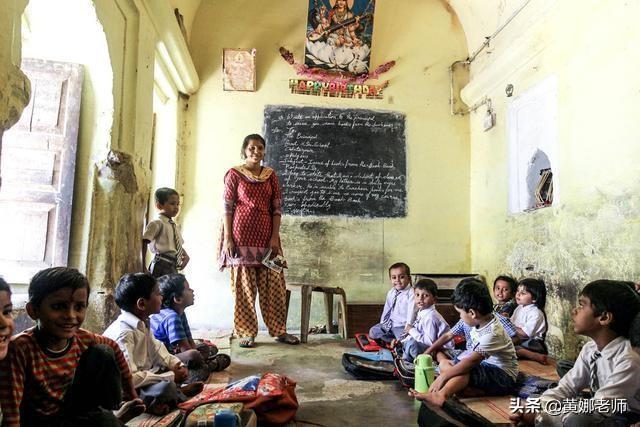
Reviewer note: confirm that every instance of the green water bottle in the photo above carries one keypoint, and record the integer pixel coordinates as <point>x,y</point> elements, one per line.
<point>424,373</point>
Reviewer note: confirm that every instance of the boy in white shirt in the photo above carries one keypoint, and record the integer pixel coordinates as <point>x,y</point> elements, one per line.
<point>608,365</point>
<point>398,313</point>
<point>491,365</point>
<point>154,370</point>
<point>429,324</point>
<point>530,320</point>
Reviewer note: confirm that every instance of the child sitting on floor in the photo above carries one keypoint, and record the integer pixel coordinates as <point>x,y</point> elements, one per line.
<point>491,365</point>
<point>530,320</point>
<point>172,328</point>
<point>429,324</point>
<point>504,289</point>
<point>54,367</point>
<point>155,371</point>
<point>462,329</point>
<point>397,315</point>
<point>607,365</point>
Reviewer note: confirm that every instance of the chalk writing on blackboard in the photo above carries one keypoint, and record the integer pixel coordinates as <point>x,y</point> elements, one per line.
<point>338,161</point>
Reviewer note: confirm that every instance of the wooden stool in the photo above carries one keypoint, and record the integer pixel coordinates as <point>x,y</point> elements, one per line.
<point>306,291</point>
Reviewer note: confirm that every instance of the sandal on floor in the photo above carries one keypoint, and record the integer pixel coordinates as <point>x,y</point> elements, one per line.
<point>288,339</point>
<point>248,342</point>
<point>219,362</point>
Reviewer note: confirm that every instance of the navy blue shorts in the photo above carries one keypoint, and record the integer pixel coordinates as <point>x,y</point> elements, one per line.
<point>491,379</point>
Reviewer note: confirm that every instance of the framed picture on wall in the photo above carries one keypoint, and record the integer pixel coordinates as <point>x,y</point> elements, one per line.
<point>239,69</point>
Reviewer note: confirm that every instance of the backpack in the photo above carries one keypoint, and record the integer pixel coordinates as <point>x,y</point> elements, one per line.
<point>366,368</point>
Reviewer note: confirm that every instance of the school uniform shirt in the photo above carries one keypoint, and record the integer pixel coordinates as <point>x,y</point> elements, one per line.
<point>461,328</point>
<point>429,326</point>
<point>145,355</point>
<point>531,320</point>
<point>33,382</point>
<point>402,313</point>
<point>618,372</point>
<point>159,233</point>
<point>493,343</point>
<point>170,327</point>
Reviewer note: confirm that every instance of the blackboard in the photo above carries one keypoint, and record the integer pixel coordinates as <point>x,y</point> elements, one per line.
<point>334,161</point>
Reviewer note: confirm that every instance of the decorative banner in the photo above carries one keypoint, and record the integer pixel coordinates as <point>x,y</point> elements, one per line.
<point>339,35</point>
<point>239,69</point>
<point>336,89</point>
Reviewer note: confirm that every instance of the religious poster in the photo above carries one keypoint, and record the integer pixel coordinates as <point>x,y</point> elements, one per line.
<point>239,69</point>
<point>339,35</point>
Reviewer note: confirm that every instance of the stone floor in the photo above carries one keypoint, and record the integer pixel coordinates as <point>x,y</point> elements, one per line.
<point>328,396</point>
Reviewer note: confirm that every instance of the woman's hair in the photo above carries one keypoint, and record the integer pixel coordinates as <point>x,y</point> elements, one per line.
<point>427,285</point>
<point>513,285</point>
<point>537,290</point>
<point>50,280</point>
<point>171,286</point>
<point>618,298</point>
<point>4,286</point>
<point>132,287</point>
<point>253,136</point>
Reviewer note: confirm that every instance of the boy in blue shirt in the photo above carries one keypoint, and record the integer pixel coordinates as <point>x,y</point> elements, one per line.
<point>172,328</point>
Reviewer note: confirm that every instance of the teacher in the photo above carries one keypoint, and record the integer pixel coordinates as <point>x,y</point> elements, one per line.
<point>252,212</point>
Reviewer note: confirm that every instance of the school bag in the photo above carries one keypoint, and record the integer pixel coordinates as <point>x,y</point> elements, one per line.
<point>405,372</point>
<point>368,367</point>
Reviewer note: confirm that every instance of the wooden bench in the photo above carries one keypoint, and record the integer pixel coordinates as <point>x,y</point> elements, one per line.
<point>306,291</point>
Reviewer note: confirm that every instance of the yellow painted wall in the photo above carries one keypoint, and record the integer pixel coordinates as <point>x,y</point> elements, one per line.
<point>594,231</point>
<point>424,37</point>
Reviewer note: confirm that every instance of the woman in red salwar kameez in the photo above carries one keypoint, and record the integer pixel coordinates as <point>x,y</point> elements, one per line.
<point>252,212</point>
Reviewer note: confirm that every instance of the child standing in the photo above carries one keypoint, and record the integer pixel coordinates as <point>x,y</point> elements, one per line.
<point>163,236</point>
<point>504,289</point>
<point>491,366</point>
<point>530,320</point>
<point>608,364</point>
<point>172,328</point>
<point>397,315</point>
<point>429,324</point>
<point>54,366</point>
<point>6,324</point>
<point>155,371</point>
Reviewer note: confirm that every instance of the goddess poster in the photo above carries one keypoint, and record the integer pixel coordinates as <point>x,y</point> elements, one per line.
<point>339,35</point>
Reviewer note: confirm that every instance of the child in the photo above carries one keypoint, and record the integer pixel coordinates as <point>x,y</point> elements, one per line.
<point>397,315</point>
<point>6,323</point>
<point>155,371</point>
<point>491,366</point>
<point>429,325</point>
<point>530,320</point>
<point>172,328</point>
<point>504,289</point>
<point>54,367</point>
<point>164,236</point>
<point>462,329</point>
<point>608,364</point>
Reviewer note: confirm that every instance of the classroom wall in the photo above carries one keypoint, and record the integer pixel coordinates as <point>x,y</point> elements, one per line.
<point>424,37</point>
<point>593,232</point>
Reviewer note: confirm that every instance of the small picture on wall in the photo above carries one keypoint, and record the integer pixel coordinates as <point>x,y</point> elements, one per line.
<point>239,69</point>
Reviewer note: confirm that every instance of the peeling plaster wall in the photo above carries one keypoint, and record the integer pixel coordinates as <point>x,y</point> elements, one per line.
<point>424,37</point>
<point>594,232</point>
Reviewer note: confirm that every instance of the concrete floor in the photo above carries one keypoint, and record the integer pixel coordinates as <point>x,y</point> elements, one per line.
<point>328,396</point>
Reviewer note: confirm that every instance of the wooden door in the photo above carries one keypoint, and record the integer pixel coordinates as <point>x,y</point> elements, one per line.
<point>37,168</point>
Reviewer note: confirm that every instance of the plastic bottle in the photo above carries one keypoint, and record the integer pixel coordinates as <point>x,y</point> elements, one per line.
<point>424,373</point>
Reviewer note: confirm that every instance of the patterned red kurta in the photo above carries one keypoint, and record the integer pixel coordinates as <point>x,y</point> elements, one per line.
<point>252,203</point>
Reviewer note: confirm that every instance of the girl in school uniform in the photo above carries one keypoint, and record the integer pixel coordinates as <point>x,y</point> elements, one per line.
<point>530,320</point>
